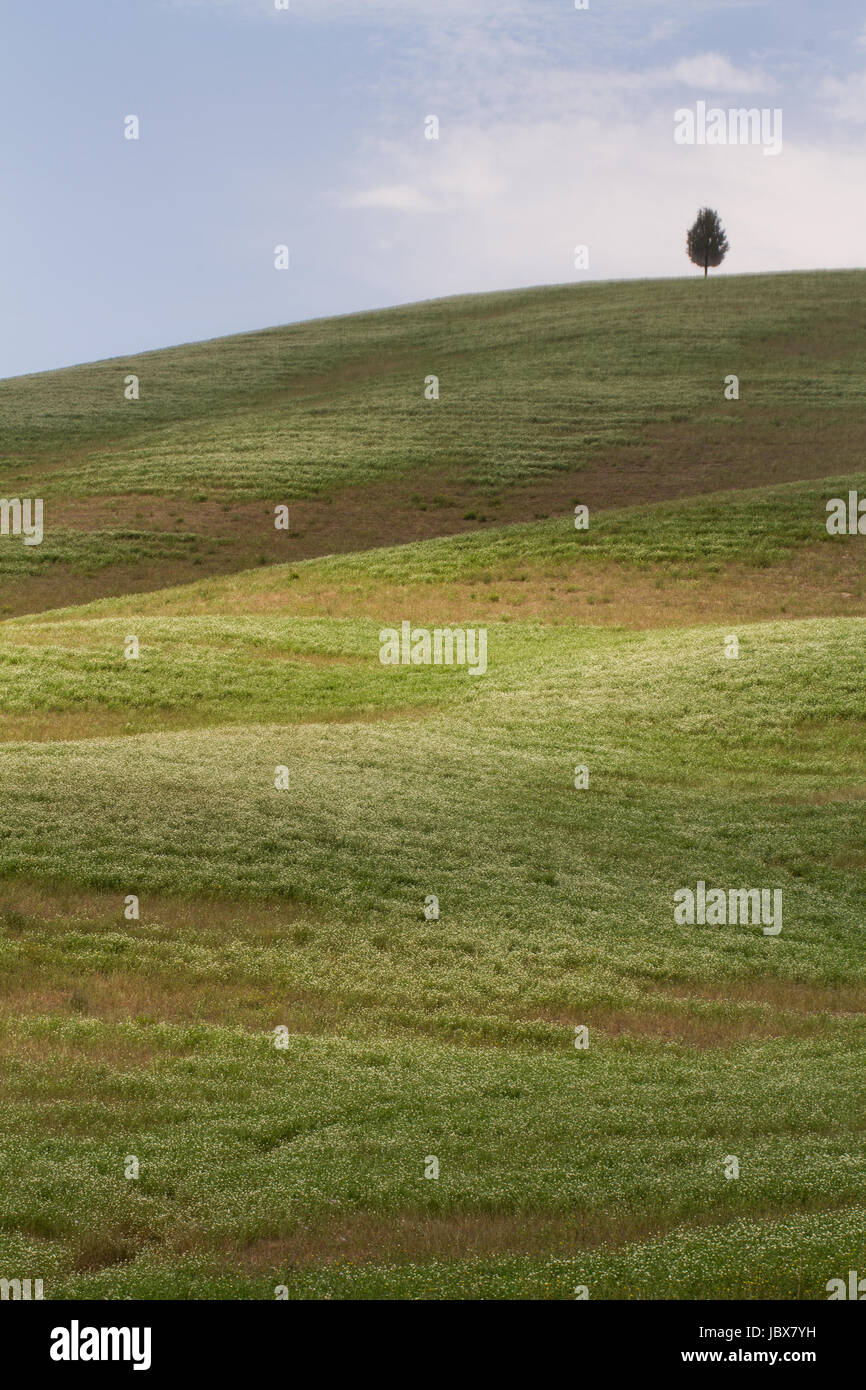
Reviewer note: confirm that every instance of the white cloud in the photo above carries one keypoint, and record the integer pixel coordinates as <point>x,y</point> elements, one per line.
<point>620,187</point>
<point>714,72</point>
<point>376,11</point>
<point>540,153</point>
<point>558,134</point>
<point>394,197</point>
<point>845,99</point>
<point>629,20</point>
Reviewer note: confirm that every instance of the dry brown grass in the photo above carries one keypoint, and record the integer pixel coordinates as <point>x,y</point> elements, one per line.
<point>690,1013</point>
<point>673,461</point>
<point>46,726</point>
<point>408,1236</point>
<point>789,995</point>
<point>260,921</point>
<point>403,1237</point>
<point>121,997</point>
<point>818,581</point>
<point>692,1029</point>
<point>125,1053</point>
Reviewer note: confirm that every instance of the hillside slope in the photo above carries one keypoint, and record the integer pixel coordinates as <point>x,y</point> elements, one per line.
<point>219,856</point>
<point>606,394</point>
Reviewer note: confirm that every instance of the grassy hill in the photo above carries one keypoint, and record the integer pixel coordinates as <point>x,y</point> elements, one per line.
<point>303,908</point>
<point>606,394</point>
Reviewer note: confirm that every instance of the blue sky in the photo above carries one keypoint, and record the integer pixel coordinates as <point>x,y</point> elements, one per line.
<point>306,127</point>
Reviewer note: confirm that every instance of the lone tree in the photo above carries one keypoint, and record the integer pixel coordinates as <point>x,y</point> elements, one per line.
<point>707,244</point>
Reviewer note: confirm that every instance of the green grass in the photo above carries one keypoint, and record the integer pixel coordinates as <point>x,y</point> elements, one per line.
<point>756,527</point>
<point>452,1037</point>
<point>303,908</point>
<point>242,1143</point>
<point>759,527</point>
<point>743,1260</point>
<point>701,766</point>
<point>90,551</point>
<point>532,381</point>
<point>534,384</point>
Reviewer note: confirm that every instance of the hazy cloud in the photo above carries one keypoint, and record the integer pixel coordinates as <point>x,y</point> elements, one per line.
<point>845,98</point>
<point>714,72</point>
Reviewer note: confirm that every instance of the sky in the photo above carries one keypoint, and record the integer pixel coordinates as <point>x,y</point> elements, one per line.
<point>306,127</point>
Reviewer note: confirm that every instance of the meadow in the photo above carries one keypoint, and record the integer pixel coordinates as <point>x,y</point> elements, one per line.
<point>283,1038</point>
<point>605,394</point>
